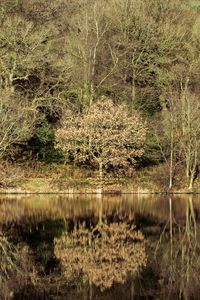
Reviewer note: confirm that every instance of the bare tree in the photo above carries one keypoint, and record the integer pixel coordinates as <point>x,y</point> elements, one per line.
<point>167,135</point>
<point>180,121</point>
<point>17,119</point>
<point>89,53</point>
<point>190,139</point>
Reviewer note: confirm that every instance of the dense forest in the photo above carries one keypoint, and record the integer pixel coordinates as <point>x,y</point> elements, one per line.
<point>112,85</point>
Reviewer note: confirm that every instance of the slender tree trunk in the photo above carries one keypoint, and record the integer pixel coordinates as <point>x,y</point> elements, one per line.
<point>193,168</point>
<point>100,185</point>
<point>133,91</point>
<point>101,172</point>
<point>171,158</point>
<point>91,94</point>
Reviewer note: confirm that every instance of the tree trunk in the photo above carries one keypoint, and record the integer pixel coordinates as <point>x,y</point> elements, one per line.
<point>133,91</point>
<point>101,172</point>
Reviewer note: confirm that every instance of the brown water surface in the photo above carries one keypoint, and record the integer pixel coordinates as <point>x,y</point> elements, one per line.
<point>169,228</point>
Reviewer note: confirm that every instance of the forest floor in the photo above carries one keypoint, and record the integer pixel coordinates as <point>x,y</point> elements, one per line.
<point>37,177</point>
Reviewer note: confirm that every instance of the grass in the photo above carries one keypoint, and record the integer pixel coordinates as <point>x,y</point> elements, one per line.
<point>36,177</point>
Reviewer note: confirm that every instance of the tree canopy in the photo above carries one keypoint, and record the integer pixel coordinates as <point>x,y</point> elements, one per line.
<point>105,136</point>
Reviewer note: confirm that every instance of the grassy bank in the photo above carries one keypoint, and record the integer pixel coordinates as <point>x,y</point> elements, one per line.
<point>42,178</point>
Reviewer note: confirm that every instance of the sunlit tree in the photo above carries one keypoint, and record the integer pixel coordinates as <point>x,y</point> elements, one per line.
<point>105,136</point>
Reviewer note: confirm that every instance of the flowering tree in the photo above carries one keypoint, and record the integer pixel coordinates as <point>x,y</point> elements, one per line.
<point>106,135</point>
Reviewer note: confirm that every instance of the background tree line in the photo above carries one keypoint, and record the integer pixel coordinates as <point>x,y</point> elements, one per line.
<point>58,58</point>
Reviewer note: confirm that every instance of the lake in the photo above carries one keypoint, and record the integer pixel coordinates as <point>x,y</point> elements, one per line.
<point>99,246</point>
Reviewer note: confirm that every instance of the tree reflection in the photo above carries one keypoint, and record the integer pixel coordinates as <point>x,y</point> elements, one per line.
<point>15,267</point>
<point>179,259</point>
<point>102,254</point>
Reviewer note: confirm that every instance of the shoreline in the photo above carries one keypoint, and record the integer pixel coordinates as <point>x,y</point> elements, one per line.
<point>76,181</point>
<point>93,191</point>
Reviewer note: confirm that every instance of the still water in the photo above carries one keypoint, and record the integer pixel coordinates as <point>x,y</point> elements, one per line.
<point>87,247</point>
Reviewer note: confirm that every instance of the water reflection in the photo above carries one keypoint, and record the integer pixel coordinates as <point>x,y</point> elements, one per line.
<point>177,252</point>
<point>169,226</point>
<point>104,254</point>
<point>14,208</point>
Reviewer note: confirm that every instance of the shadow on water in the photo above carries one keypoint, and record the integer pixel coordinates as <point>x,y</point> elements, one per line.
<point>41,238</point>
<point>72,269</point>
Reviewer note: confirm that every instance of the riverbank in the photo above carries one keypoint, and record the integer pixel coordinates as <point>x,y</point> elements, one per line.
<point>72,186</point>
<point>66,179</point>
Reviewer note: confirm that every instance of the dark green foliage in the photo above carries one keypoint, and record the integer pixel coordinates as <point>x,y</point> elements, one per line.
<point>45,134</point>
<point>43,144</point>
<point>147,104</point>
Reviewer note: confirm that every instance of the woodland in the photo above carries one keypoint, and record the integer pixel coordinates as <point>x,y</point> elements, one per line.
<point>110,85</point>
